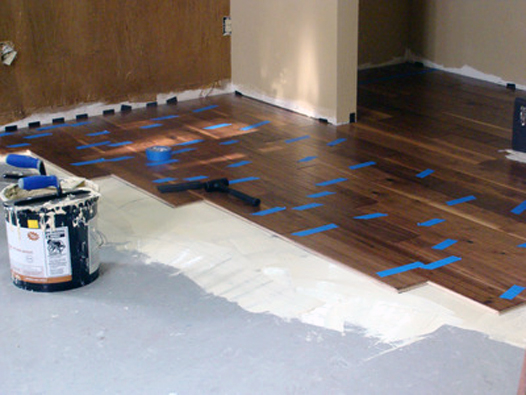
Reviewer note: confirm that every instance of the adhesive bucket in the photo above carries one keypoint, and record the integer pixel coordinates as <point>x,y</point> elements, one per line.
<point>52,239</point>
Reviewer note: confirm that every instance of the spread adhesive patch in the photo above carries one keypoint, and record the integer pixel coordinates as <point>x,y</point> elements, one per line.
<point>247,265</point>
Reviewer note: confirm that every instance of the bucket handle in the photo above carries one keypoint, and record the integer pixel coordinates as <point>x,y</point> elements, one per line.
<point>101,238</point>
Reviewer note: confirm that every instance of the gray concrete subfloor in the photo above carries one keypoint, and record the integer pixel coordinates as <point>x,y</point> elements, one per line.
<point>141,329</point>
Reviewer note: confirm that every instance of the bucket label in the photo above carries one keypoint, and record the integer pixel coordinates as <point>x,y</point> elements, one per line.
<point>38,256</point>
<point>57,252</point>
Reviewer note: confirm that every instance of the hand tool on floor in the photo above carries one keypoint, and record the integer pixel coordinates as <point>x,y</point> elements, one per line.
<point>218,185</point>
<point>23,162</point>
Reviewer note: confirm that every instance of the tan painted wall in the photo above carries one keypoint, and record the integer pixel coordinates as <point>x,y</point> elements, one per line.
<point>347,60</point>
<point>486,35</point>
<point>81,51</point>
<point>286,52</point>
<point>383,31</point>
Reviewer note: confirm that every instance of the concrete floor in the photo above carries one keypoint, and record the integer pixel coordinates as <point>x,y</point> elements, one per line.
<point>171,322</point>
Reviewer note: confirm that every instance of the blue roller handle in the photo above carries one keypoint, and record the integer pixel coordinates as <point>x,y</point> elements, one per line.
<point>37,182</point>
<point>24,161</point>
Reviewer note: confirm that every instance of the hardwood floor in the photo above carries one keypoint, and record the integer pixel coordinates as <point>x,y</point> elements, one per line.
<point>411,120</point>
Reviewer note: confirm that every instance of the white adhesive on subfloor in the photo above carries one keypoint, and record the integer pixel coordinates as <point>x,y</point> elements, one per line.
<point>261,272</point>
<point>516,156</point>
<point>466,71</point>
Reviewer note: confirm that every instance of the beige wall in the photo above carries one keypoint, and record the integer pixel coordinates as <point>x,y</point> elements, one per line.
<point>287,52</point>
<point>383,31</point>
<point>486,35</point>
<point>347,59</point>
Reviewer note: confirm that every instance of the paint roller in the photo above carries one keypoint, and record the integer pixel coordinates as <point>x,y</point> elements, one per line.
<point>218,185</point>
<point>23,162</point>
<point>41,182</point>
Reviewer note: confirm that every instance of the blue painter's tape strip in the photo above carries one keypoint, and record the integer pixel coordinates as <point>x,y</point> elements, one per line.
<point>441,263</point>
<point>371,216</point>
<point>89,162</point>
<point>431,222</point>
<point>221,125</point>
<point>79,124</point>
<point>229,142</point>
<point>307,159</point>
<point>164,162</point>
<point>512,293</point>
<point>269,211</point>
<point>419,265</point>
<point>165,118</point>
<point>461,200</point>
<point>118,159</point>
<point>331,182</point>
<point>336,142</point>
<point>425,173</point>
<point>120,144</point>
<point>309,232</point>
<point>307,206</point>
<point>400,269</point>
<point>239,164</point>
<point>18,145</point>
<point>98,133</point>
<point>254,126</point>
<point>153,125</point>
<point>205,108</point>
<point>520,208</point>
<point>161,180</point>
<point>320,194</point>
<point>297,139</point>
<point>50,127</point>
<point>445,244</point>
<point>240,180</point>
<point>94,145</point>
<point>182,151</point>
<point>196,178</point>
<point>37,136</point>
<point>362,165</point>
<point>191,142</point>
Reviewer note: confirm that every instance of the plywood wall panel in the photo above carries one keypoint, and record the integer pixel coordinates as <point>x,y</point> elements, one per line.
<point>81,51</point>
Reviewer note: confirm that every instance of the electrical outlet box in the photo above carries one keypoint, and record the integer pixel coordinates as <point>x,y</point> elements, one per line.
<point>227,26</point>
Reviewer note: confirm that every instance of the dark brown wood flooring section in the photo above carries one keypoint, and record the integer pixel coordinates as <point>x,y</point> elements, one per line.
<point>410,120</point>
